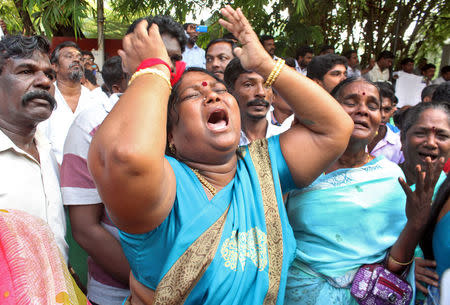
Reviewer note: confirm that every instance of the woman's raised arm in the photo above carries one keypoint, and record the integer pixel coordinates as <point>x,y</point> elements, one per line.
<point>324,129</point>
<point>126,156</point>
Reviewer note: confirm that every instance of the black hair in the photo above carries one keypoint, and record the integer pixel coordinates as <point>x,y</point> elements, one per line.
<point>428,91</point>
<point>326,47</point>
<point>336,92</point>
<point>347,54</point>
<point>232,72</point>
<point>229,36</point>
<point>427,66</point>
<point>320,65</point>
<point>87,53</point>
<point>187,24</point>
<point>412,115</point>
<point>290,62</point>
<point>265,37</point>
<point>166,25</point>
<point>54,58</point>
<point>19,46</point>
<point>387,91</point>
<point>426,243</point>
<point>385,54</point>
<point>406,60</point>
<point>445,69</point>
<point>213,42</point>
<point>90,76</point>
<point>112,72</point>
<point>442,93</point>
<point>174,100</point>
<point>303,50</point>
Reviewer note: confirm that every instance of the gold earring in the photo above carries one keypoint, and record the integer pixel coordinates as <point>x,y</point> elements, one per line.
<point>172,149</point>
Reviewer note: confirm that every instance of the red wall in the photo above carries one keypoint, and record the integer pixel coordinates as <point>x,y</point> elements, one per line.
<point>87,44</point>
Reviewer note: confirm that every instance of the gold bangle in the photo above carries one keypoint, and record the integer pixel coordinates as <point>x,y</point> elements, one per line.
<point>275,72</point>
<point>400,263</point>
<point>150,71</point>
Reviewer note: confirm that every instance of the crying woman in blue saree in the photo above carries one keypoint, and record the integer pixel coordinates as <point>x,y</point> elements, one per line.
<point>354,213</point>
<point>200,222</point>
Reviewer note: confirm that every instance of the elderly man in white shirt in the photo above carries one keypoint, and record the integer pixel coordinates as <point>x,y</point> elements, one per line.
<point>29,180</point>
<point>70,95</point>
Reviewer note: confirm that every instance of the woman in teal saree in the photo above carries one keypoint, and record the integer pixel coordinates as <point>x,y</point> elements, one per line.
<point>207,225</point>
<point>354,214</point>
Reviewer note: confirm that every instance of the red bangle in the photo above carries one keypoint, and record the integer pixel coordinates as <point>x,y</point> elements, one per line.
<point>149,62</point>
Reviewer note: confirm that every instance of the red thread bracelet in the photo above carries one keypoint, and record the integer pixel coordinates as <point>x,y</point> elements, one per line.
<point>150,62</point>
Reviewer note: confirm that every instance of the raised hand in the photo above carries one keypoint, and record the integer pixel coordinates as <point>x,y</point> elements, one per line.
<point>142,44</point>
<point>252,54</point>
<point>418,203</point>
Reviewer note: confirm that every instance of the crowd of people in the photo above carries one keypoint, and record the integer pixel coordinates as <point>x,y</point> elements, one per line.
<point>221,176</point>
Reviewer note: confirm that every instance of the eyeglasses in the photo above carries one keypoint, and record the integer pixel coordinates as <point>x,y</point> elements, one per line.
<point>72,56</point>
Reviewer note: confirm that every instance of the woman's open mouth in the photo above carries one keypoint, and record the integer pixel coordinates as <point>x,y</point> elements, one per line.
<point>218,120</point>
<point>432,156</point>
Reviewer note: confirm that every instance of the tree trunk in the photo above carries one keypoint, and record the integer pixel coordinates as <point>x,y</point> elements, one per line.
<point>28,28</point>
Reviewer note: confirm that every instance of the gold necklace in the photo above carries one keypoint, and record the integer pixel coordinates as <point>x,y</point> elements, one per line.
<point>211,189</point>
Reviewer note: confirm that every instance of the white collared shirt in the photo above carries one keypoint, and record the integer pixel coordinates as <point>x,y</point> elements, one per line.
<point>376,75</point>
<point>194,57</point>
<point>32,186</point>
<point>299,69</point>
<point>56,127</point>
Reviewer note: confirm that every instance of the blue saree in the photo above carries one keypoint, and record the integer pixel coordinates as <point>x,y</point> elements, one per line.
<point>254,249</point>
<point>343,220</point>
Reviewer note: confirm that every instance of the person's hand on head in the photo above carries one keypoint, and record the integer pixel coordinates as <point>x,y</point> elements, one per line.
<point>252,54</point>
<point>142,44</point>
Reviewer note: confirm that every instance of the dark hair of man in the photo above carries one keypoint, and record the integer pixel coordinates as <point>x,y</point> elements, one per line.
<point>89,75</point>
<point>87,53</point>
<point>428,66</point>
<point>232,72</point>
<point>320,65</point>
<point>19,46</point>
<point>426,243</point>
<point>303,50</point>
<point>213,42</point>
<point>385,54</point>
<point>387,91</point>
<point>326,47</point>
<point>445,69</point>
<point>428,91</point>
<point>290,62</point>
<point>412,115</point>
<point>186,25</point>
<point>229,36</point>
<point>336,92</point>
<point>347,54</point>
<point>54,58</point>
<point>174,100</point>
<point>406,61</point>
<point>263,38</point>
<point>166,25</point>
<point>112,72</point>
<point>442,93</point>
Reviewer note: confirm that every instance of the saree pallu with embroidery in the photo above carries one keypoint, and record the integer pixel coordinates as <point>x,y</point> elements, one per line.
<point>343,220</point>
<point>32,270</point>
<point>234,249</point>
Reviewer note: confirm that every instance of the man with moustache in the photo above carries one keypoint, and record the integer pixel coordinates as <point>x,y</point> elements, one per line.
<point>29,176</point>
<point>253,99</point>
<point>219,53</point>
<point>70,95</point>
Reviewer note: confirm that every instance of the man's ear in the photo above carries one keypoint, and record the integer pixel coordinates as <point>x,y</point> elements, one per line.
<point>55,67</point>
<point>116,88</point>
